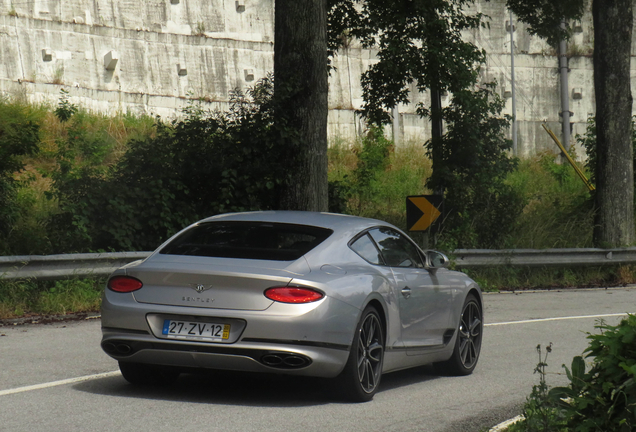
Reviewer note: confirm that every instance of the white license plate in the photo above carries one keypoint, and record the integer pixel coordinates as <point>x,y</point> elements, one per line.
<point>196,330</point>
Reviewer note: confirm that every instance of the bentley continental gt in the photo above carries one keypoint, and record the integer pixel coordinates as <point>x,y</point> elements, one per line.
<point>298,293</point>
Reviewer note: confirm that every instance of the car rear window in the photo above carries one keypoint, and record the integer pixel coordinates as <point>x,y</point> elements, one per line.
<point>249,240</point>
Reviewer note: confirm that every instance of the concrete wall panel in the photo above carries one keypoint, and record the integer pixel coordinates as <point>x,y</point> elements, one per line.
<point>221,45</point>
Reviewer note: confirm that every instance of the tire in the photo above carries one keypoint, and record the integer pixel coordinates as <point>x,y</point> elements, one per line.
<point>148,375</point>
<point>360,378</point>
<point>468,342</point>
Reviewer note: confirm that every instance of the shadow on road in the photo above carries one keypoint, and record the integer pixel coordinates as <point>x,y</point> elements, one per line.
<point>247,389</point>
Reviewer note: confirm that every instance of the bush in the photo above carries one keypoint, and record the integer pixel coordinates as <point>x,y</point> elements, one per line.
<point>204,164</point>
<point>603,398</point>
<point>471,167</point>
<point>19,136</point>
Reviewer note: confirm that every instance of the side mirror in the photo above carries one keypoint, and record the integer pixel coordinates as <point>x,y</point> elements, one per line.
<point>437,260</point>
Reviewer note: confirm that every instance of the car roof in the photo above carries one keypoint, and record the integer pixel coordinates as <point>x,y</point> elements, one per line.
<point>333,221</point>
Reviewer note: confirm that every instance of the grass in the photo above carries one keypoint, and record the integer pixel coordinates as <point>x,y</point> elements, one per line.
<point>406,173</point>
<point>507,278</point>
<point>558,211</point>
<point>20,298</point>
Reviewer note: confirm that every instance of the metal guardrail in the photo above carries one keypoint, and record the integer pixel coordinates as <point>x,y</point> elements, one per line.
<point>102,264</point>
<point>65,266</point>
<point>465,258</point>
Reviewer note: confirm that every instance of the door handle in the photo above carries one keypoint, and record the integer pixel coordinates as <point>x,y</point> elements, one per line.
<point>406,292</point>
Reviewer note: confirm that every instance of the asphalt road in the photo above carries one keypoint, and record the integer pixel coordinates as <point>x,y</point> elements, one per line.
<point>35,358</point>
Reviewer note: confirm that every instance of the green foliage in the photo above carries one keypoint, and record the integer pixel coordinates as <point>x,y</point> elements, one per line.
<point>540,412</point>
<point>49,297</point>
<point>19,137</point>
<point>518,278</point>
<point>420,46</point>
<point>544,16</point>
<point>65,109</point>
<point>588,141</point>
<point>558,211</point>
<point>81,295</point>
<point>418,43</point>
<point>372,178</point>
<point>373,159</point>
<point>598,400</point>
<point>481,207</point>
<point>204,164</point>
<point>603,398</point>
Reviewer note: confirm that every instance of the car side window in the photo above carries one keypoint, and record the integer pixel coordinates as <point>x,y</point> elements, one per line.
<point>396,249</point>
<point>365,247</point>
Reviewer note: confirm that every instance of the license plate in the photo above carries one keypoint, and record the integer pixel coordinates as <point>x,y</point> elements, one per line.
<point>196,330</point>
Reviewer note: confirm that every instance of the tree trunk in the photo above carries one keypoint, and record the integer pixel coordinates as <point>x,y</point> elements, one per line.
<point>300,91</point>
<point>614,224</point>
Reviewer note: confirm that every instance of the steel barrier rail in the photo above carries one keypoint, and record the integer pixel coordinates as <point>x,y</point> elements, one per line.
<point>65,266</point>
<point>102,264</point>
<point>465,258</point>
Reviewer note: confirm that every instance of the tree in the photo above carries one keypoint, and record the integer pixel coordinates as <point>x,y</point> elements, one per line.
<point>300,94</point>
<point>613,22</point>
<point>421,48</point>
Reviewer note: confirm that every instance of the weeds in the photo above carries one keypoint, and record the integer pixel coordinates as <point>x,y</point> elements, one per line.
<point>18,298</point>
<point>200,29</point>
<point>503,278</point>
<point>58,76</point>
<point>602,398</point>
<point>540,412</point>
<point>375,178</point>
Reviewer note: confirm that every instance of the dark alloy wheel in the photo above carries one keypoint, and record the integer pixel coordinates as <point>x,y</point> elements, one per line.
<point>148,375</point>
<point>361,376</point>
<point>468,341</point>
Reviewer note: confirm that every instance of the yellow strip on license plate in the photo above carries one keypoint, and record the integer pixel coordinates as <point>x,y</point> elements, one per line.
<point>195,330</point>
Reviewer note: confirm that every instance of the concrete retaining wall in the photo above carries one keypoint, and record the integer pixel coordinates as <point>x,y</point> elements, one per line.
<point>152,56</point>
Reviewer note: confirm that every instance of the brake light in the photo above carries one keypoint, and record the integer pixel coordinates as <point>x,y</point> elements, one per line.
<point>293,295</point>
<point>124,284</point>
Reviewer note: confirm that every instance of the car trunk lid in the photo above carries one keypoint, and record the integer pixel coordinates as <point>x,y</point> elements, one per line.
<point>219,283</point>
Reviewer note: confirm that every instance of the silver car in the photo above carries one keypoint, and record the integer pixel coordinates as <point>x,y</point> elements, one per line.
<point>296,293</point>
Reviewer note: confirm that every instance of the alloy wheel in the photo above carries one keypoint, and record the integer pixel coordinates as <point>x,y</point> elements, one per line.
<point>370,353</point>
<point>470,334</point>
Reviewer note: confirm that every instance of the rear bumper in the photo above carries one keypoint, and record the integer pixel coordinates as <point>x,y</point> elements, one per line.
<point>288,357</point>
<point>312,339</point>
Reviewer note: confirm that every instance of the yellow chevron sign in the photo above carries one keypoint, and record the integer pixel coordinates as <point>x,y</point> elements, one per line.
<point>422,211</point>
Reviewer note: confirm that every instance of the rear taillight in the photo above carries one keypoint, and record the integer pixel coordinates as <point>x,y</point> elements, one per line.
<point>124,284</point>
<point>293,295</point>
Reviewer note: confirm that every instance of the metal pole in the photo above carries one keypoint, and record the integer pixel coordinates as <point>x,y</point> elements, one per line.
<point>396,125</point>
<point>436,132</point>
<point>565,94</point>
<point>512,83</point>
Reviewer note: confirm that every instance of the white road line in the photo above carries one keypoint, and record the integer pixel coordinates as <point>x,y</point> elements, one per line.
<point>555,319</point>
<point>59,383</point>
<point>117,373</point>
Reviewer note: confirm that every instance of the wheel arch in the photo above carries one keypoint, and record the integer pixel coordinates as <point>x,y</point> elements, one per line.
<point>379,307</point>
<point>477,293</point>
